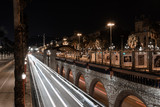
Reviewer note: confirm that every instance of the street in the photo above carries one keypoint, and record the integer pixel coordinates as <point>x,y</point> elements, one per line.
<point>54,90</point>
<point>7,86</point>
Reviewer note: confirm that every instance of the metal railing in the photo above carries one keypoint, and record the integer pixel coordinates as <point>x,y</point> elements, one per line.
<point>137,66</point>
<point>146,61</point>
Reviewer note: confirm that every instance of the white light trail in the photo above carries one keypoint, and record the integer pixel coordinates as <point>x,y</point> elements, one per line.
<point>64,104</point>
<point>52,102</point>
<point>81,104</point>
<point>79,92</point>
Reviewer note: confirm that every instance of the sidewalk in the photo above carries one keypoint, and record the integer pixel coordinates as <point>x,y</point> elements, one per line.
<point>28,95</point>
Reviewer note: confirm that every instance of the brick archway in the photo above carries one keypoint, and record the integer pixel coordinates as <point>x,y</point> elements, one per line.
<point>69,76</point>
<point>57,68</point>
<point>123,95</point>
<point>92,85</point>
<point>80,81</point>
<point>98,91</point>
<point>61,70</point>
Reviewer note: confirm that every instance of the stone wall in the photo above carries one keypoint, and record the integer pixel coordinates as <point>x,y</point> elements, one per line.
<point>117,89</point>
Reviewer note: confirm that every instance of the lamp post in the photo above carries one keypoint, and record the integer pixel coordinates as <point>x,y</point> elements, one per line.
<point>111,44</point>
<point>65,41</point>
<point>79,35</point>
<point>150,46</point>
<point>51,43</point>
<point>48,54</point>
<point>127,46</point>
<point>110,26</point>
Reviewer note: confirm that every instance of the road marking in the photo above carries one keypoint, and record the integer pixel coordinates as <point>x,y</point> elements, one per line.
<point>5,81</point>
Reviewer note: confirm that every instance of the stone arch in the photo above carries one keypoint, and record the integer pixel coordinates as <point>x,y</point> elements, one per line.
<point>57,68</point>
<point>61,70</point>
<point>82,84</point>
<point>92,85</point>
<point>77,78</point>
<point>124,94</point>
<point>68,75</point>
<point>98,91</point>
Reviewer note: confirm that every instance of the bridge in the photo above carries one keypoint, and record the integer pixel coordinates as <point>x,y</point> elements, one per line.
<point>124,82</point>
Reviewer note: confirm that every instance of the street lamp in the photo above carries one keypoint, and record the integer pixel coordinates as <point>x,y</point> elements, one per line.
<point>51,43</point>
<point>112,47</point>
<point>140,48</point>
<point>110,26</point>
<point>150,46</point>
<point>23,76</point>
<point>79,35</point>
<point>65,41</point>
<point>126,46</point>
<point>48,54</point>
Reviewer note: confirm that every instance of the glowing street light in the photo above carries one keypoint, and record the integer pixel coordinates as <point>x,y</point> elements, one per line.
<point>79,35</point>
<point>48,54</point>
<point>112,47</point>
<point>150,45</point>
<point>140,48</point>
<point>51,43</point>
<point>110,26</point>
<point>23,76</point>
<point>64,39</point>
<point>127,46</point>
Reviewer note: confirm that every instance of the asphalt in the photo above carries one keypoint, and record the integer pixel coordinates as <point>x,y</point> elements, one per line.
<point>54,90</point>
<point>7,85</point>
<point>28,94</point>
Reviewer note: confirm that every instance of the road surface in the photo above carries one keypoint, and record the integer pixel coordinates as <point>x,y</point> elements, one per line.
<point>55,91</point>
<point>7,86</point>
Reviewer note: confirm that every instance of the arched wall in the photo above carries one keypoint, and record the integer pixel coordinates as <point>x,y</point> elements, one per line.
<point>114,86</point>
<point>77,78</point>
<point>125,93</point>
<point>92,85</point>
<point>67,73</point>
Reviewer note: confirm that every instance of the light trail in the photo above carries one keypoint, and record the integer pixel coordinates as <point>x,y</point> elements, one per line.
<point>77,100</point>
<point>64,104</point>
<point>35,86</point>
<point>52,102</point>
<point>65,89</point>
<point>79,97</point>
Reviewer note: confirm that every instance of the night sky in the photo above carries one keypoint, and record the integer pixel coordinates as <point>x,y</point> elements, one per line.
<point>58,19</point>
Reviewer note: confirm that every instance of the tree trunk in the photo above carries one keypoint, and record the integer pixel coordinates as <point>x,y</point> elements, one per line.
<point>19,68</point>
<point>19,54</point>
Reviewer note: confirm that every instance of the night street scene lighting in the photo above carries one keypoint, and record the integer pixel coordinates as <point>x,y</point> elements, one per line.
<point>75,54</point>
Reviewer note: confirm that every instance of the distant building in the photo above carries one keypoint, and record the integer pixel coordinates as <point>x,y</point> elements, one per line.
<point>146,31</point>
